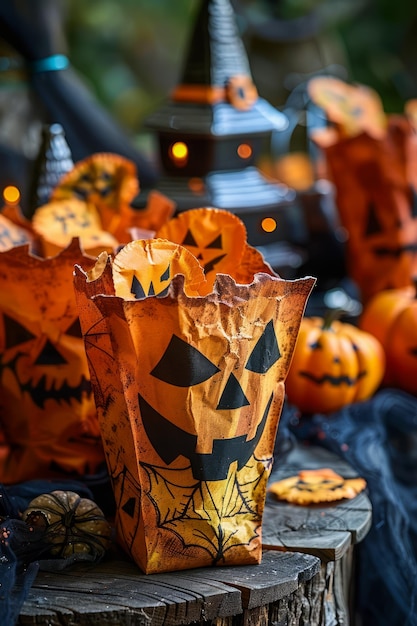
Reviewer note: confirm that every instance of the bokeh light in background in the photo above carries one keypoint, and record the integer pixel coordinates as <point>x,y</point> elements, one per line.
<point>11,195</point>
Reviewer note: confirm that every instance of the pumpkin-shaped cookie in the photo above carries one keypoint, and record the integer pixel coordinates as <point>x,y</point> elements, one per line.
<point>72,524</point>
<point>314,486</point>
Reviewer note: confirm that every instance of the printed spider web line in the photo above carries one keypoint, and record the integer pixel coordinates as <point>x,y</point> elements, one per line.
<point>121,480</point>
<point>194,511</point>
<point>91,341</point>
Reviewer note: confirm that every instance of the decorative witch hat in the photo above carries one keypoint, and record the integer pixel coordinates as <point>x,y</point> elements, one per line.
<point>216,112</point>
<point>53,161</point>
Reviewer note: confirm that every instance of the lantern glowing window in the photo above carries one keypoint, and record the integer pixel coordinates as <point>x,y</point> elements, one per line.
<point>244,150</point>
<point>178,153</point>
<point>268,224</point>
<point>196,185</point>
<point>11,194</point>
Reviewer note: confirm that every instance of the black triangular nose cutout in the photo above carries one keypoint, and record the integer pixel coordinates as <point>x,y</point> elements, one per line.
<point>50,356</point>
<point>232,396</point>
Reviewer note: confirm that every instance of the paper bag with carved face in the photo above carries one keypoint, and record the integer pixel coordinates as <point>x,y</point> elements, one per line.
<point>47,409</point>
<point>189,390</point>
<point>371,159</point>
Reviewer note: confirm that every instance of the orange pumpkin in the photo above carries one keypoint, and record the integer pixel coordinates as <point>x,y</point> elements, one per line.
<point>391,316</point>
<point>334,364</point>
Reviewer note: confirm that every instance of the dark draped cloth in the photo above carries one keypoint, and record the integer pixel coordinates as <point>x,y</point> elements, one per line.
<point>378,438</point>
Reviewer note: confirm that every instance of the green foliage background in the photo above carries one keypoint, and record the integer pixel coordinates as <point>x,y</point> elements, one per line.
<point>130,52</point>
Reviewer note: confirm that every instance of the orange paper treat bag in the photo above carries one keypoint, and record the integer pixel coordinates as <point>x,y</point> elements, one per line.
<point>109,182</point>
<point>47,409</point>
<point>189,390</point>
<point>218,239</point>
<point>371,159</point>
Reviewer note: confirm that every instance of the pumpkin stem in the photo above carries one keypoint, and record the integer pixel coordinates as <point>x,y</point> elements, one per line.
<point>330,316</point>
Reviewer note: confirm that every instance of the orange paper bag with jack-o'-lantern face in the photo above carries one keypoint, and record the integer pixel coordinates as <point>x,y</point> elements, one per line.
<point>372,160</point>
<point>218,239</point>
<point>189,391</point>
<point>47,409</point>
<point>376,193</point>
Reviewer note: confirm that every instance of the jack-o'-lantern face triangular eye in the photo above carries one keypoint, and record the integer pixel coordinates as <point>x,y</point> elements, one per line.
<point>183,365</point>
<point>15,333</point>
<point>139,292</point>
<point>265,353</point>
<point>189,239</point>
<point>75,329</point>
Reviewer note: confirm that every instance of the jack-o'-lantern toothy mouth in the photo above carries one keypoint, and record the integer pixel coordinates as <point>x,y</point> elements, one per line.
<point>170,442</point>
<point>395,252</point>
<point>335,381</point>
<point>46,384</point>
<point>40,392</point>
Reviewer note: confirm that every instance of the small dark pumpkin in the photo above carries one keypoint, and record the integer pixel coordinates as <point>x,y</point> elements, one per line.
<point>72,524</point>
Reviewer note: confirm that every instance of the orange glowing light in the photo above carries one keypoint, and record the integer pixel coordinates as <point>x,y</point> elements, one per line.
<point>196,185</point>
<point>11,194</point>
<point>179,153</point>
<point>244,150</point>
<point>268,224</point>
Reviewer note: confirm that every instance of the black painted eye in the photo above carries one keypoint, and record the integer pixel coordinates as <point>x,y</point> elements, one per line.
<point>265,353</point>
<point>15,334</point>
<point>139,292</point>
<point>75,329</point>
<point>216,243</point>
<point>183,365</point>
<point>189,239</point>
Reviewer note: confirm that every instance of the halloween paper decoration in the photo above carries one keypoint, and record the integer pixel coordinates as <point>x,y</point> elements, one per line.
<point>375,176</point>
<point>189,390</point>
<point>315,486</point>
<point>12,235</point>
<point>353,109</point>
<point>57,223</point>
<point>72,524</point>
<point>334,364</point>
<point>391,316</point>
<point>47,407</point>
<point>217,238</point>
<point>110,183</point>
